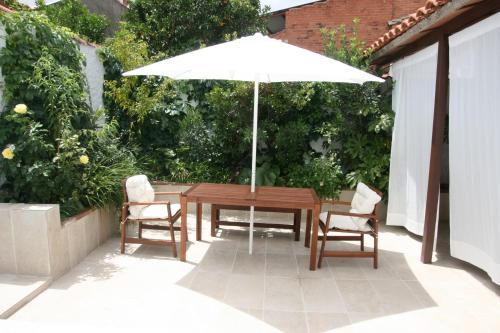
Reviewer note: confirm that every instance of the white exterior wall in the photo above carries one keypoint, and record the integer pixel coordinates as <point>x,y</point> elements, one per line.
<point>94,71</point>
<point>2,45</point>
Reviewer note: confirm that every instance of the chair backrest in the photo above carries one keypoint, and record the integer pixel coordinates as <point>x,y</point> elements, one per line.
<point>365,199</point>
<point>138,189</point>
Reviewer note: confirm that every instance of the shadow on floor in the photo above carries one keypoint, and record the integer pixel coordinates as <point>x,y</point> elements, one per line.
<point>275,284</point>
<point>97,267</point>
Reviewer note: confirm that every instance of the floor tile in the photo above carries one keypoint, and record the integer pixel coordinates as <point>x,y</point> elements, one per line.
<point>395,296</point>
<point>319,322</point>
<point>359,296</point>
<point>281,265</point>
<point>283,294</point>
<point>288,322</point>
<point>322,295</point>
<point>254,264</point>
<point>345,268</point>
<point>305,272</point>
<point>218,262</point>
<point>259,244</point>
<point>211,284</point>
<point>282,244</point>
<point>245,291</point>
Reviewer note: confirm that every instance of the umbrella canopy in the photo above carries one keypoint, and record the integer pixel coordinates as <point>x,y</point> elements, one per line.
<point>256,59</point>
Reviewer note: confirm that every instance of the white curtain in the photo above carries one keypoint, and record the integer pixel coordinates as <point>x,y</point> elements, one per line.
<point>475,145</point>
<point>413,103</point>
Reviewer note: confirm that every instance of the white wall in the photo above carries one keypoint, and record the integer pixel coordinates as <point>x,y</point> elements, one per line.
<point>94,70</point>
<point>2,45</point>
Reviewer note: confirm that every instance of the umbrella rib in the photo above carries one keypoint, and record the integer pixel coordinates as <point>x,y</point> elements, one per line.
<point>177,77</point>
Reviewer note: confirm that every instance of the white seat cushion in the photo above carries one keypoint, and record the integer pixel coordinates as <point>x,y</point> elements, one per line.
<point>345,222</point>
<point>155,212</point>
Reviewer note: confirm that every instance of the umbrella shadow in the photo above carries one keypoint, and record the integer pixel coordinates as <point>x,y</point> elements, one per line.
<point>289,298</point>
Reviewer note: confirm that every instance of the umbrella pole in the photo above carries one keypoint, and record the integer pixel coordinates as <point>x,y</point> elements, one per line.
<point>254,157</point>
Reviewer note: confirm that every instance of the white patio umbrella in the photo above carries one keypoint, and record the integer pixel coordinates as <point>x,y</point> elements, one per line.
<point>256,59</point>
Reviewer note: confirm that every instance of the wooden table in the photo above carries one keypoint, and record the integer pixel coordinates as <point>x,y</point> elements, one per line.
<point>240,195</point>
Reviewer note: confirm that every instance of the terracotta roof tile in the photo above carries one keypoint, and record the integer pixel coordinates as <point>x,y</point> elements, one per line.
<point>5,9</point>
<point>420,14</point>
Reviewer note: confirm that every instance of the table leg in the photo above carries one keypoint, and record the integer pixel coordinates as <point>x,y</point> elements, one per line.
<point>314,241</point>
<point>199,213</point>
<point>183,228</point>
<point>307,236</point>
<point>213,218</point>
<point>296,222</point>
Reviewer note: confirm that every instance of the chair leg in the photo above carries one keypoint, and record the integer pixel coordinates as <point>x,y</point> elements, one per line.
<point>124,231</point>
<point>375,249</point>
<point>362,242</point>
<point>139,234</point>
<point>323,243</point>
<point>172,236</point>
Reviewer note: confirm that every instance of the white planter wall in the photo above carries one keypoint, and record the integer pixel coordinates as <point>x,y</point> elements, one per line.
<point>34,241</point>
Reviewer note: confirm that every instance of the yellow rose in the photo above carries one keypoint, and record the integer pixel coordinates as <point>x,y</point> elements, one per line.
<point>21,108</point>
<point>8,153</point>
<point>84,159</point>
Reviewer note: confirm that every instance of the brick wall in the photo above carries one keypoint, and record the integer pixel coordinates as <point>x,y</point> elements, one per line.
<point>303,24</point>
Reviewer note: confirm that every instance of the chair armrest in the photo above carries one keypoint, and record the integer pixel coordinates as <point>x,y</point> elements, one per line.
<point>367,216</point>
<point>146,203</point>
<point>336,202</point>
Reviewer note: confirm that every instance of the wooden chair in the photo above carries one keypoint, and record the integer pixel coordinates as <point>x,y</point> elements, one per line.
<point>155,215</point>
<point>327,224</point>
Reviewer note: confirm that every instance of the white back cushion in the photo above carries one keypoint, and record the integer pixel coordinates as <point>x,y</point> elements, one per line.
<point>364,200</point>
<point>139,190</point>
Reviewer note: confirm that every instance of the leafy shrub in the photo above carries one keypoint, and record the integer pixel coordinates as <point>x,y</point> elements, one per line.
<point>147,110</point>
<point>324,174</point>
<point>322,135</point>
<point>183,25</point>
<point>53,152</point>
<point>74,15</point>
<point>360,134</point>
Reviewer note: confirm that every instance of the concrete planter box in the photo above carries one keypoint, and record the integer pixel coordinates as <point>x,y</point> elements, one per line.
<point>34,240</point>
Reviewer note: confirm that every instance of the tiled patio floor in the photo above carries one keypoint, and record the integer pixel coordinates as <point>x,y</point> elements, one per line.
<point>222,288</point>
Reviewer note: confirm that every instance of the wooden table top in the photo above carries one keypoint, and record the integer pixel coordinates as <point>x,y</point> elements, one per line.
<point>264,196</point>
